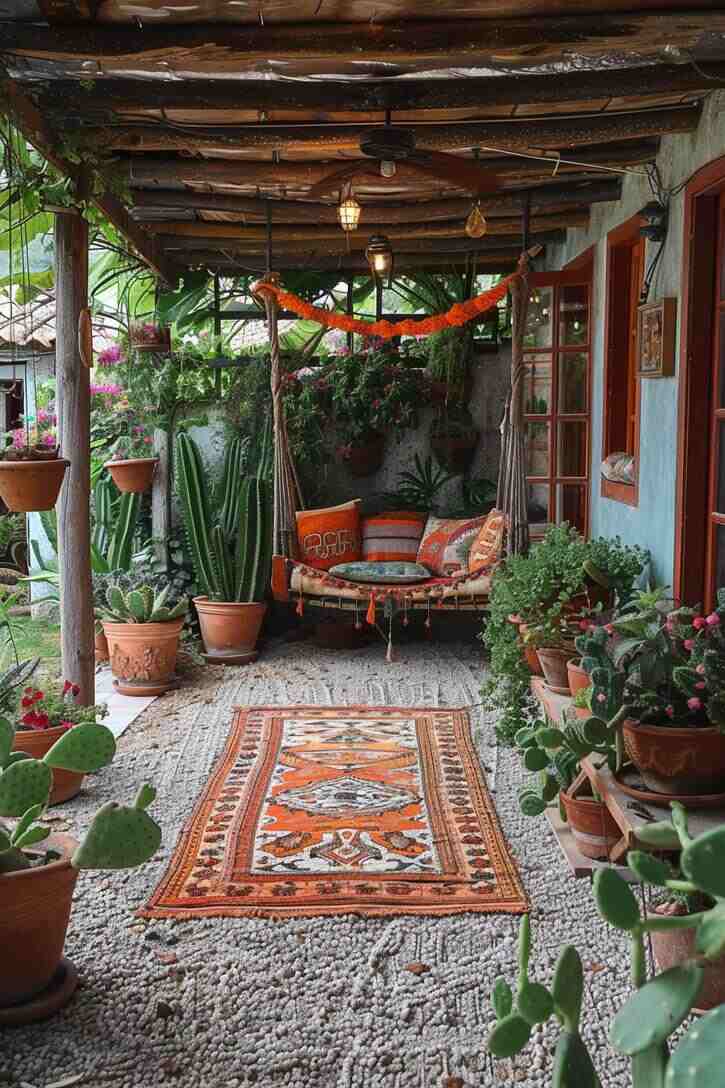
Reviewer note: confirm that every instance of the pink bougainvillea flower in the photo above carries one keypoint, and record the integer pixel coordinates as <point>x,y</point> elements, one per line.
<point>698,623</point>
<point>700,669</point>
<point>713,620</point>
<point>583,625</point>
<point>669,627</point>
<point>694,703</point>
<point>700,685</point>
<point>609,628</point>
<point>670,711</point>
<point>689,644</point>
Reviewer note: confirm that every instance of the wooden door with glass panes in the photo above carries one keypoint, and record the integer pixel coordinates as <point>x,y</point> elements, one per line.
<point>557,399</point>
<point>715,527</point>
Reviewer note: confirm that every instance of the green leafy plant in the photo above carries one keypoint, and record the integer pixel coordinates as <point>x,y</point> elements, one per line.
<point>419,489</point>
<point>660,1005</point>
<point>139,606</point>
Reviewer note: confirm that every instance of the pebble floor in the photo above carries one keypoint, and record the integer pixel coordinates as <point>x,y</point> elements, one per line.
<point>313,1003</point>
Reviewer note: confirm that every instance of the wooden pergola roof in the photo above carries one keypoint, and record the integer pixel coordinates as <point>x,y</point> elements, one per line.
<point>218,113</point>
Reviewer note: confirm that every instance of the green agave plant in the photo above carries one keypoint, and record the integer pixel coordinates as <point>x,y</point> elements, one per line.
<point>140,606</point>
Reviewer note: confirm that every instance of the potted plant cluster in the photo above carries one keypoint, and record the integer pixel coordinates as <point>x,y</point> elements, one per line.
<point>31,470</point>
<point>231,551</point>
<point>148,336</point>
<point>130,466</point>
<point>43,716</point>
<point>142,632</point>
<point>38,873</point>
<point>660,1006</point>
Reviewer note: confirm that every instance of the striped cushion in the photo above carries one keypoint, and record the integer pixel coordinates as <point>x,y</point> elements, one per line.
<point>447,542</point>
<point>487,547</point>
<point>393,537</point>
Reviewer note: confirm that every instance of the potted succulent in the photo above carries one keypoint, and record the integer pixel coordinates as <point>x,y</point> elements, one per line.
<point>147,336</point>
<point>38,873</point>
<point>554,642</point>
<point>43,717</point>
<point>232,557</point>
<point>449,366</point>
<point>130,466</point>
<point>31,470</point>
<point>143,638</point>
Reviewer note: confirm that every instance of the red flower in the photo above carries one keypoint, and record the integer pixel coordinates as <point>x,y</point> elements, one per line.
<point>66,686</point>
<point>66,725</point>
<point>26,701</point>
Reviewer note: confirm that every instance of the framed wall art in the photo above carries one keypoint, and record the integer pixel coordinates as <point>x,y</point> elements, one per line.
<point>656,323</point>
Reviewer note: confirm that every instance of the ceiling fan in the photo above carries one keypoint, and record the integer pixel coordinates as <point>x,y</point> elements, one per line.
<point>390,145</point>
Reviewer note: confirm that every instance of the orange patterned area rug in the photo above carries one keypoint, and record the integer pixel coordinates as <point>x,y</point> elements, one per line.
<point>337,810</point>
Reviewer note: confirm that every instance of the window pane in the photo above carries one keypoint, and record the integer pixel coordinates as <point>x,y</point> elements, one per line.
<point>721,352</point>
<point>538,503</point>
<point>537,449</point>
<point>538,319</point>
<point>571,505</point>
<point>572,449</point>
<point>720,466</point>
<point>573,381</point>
<point>537,385</point>
<point>574,315</point>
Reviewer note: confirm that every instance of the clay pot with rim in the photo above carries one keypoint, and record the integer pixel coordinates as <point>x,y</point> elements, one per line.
<point>554,661</point>
<point>672,947</point>
<point>27,486</point>
<point>677,761</point>
<point>592,824</point>
<point>577,678</point>
<point>230,629</point>
<point>36,742</point>
<point>101,647</point>
<point>531,655</point>
<point>143,655</point>
<point>33,923</point>
<point>367,458</point>
<point>133,475</point>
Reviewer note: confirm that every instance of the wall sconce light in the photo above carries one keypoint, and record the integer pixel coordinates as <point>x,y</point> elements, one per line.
<point>379,255</point>
<point>655,216</point>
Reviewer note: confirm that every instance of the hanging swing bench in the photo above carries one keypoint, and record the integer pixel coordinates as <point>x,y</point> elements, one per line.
<point>505,529</point>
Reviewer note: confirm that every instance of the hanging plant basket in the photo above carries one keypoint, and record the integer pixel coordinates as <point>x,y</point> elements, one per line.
<point>150,338</point>
<point>133,475</point>
<point>454,451</point>
<point>364,460</point>
<point>32,484</point>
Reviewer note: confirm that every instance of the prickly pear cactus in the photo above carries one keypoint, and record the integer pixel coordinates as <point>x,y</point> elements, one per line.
<point>120,837</point>
<point>84,748</point>
<point>24,783</point>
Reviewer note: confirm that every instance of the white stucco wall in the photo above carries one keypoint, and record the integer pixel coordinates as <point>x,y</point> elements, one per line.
<point>652,522</point>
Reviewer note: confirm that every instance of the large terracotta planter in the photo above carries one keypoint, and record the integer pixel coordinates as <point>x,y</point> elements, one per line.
<point>134,475</point>
<point>366,459</point>
<point>36,905</point>
<point>677,761</point>
<point>36,742</point>
<point>26,486</point>
<point>230,629</point>
<point>672,947</point>
<point>143,655</point>
<point>577,678</point>
<point>554,661</point>
<point>454,452</point>
<point>592,825</point>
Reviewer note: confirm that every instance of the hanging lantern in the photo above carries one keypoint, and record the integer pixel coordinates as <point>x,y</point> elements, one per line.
<point>379,255</point>
<point>476,225</point>
<point>348,212</point>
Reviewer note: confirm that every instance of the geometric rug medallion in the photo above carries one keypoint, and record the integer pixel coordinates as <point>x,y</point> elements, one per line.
<point>339,810</point>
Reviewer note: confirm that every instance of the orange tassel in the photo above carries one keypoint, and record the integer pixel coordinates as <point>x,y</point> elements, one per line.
<point>370,614</point>
<point>300,607</point>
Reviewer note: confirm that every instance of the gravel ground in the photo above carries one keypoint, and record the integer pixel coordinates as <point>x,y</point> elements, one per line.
<point>312,1003</point>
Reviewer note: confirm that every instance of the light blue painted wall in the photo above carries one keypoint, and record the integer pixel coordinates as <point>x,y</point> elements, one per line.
<point>652,523</point>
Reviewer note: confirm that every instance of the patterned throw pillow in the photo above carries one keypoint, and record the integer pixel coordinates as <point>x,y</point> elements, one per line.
<point>392,537</point>
<point>486,548</point>
<point>447,542</point>
<point>381,572</point>
<point>330,535</point>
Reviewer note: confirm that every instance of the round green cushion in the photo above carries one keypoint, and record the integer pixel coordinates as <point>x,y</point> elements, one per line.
<point>381,572</point>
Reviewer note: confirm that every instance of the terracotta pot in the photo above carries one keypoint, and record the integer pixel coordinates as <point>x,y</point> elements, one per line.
<point>26,486</point>
<point>672,947</point>
<point>589,598</point>
<point>582,712</point>
<point>36,742</point>
<point>143,655</point>
<point>677,761</point>
<point>531,655</point>
<point>578,679</point>
<point>592,825</point>
<point>33,922</point>
<point>230,629</point>
<point>161,343</point>
<point>367,459</point>
<point>553,661</point>
<point>134,475</point>
<point>101,644</point>
<point>454,452</point>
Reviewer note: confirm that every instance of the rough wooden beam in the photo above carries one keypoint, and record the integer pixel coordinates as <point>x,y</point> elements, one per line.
<point>147,171</point>
<point>74,415</point>
<point>27,118</point>
<point>109,96</point>
<point>218,47</point>
<point>68,11</point>
<point>551,133</point>
<point>151,201</point>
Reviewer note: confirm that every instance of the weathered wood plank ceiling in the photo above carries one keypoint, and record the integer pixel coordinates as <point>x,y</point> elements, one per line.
<point>220,115</point>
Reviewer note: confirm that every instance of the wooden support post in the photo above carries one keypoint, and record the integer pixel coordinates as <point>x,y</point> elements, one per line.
<point>74,416</point>
<point>161,499</point>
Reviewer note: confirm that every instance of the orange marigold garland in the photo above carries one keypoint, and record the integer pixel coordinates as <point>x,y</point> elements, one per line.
<point>458,315</point>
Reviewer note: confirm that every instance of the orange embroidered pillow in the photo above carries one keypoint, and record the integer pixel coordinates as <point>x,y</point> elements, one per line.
<point>392,537</point>
<point>446,543</point>
<point>329,536</point>
<point>486,548</point>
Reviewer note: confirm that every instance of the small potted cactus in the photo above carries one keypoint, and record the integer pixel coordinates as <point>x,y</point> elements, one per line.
<point>232,560</point>
<point>143,638</point>
<point>38,871</point>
